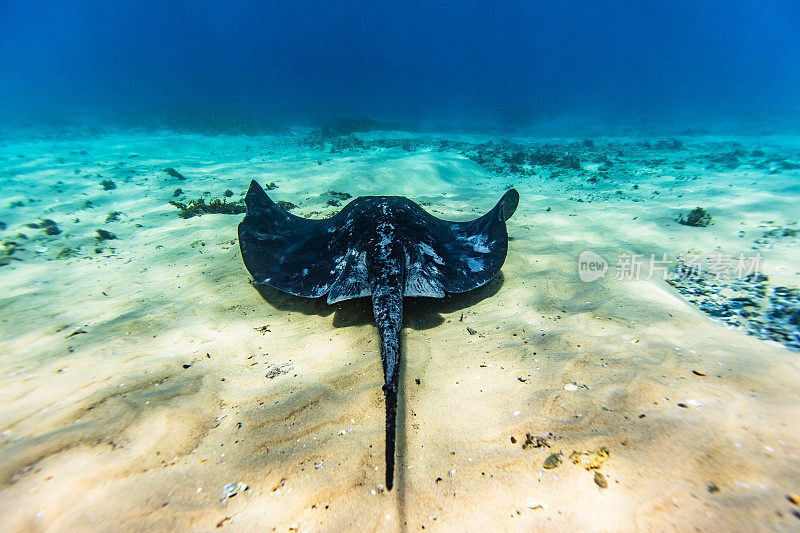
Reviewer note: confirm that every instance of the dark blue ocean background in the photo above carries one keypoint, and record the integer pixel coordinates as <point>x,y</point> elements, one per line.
<point>458,64</point>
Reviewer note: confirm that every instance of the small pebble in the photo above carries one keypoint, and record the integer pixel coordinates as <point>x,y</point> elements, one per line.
<point>535,504</point>
<point>600,480</point>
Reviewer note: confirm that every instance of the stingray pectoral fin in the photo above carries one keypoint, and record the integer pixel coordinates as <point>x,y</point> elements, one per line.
<point>467,255</point>
<point>287,252</point>
<point>507,205</point>
<point>352,282</point>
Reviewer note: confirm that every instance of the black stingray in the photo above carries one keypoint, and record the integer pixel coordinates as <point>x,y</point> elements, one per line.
<point>386,247</point>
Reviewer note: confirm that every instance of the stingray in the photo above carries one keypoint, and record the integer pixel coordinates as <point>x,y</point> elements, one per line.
<point>385,247</point>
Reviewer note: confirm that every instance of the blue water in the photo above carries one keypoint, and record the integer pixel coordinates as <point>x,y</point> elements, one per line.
<point>461,63</point>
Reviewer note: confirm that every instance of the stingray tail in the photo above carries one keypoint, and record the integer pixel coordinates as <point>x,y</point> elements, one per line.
<point>391,424</point>
<point>387,304</point>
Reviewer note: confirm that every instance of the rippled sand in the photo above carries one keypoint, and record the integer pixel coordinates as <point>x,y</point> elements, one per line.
<point>138,380</point>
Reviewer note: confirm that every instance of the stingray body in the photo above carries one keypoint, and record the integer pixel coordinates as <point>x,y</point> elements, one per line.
<point>386,247</point>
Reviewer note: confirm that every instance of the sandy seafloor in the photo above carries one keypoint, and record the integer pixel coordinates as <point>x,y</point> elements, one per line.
<point>133,375</point>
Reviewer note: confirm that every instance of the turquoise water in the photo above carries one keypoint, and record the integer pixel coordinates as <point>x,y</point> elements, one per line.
<point>258,66</point>
<point>644,328</point>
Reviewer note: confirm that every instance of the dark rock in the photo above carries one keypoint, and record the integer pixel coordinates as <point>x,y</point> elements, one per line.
<point>103,235</point>
<point>697,217</point>
<point>174,173</point>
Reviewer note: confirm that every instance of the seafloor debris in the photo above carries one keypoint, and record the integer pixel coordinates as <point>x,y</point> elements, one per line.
<point>340,195</point>
<point>232,489</point>
<point>200,207</point>
<point>280,484</point>
<point>536,441</point>
<point>286,206</point>
<point>553,461</point>
<point>276,370</point>
<point>697,217</point>
<point>103,235</point>
<point>747,302</point>
<point>66,253</point>
<point>108,185</point>
<point>600,480</point>
<point>49,226</point>
<point>590,459</point>
<point>334,198</point>
<point>174,173</point>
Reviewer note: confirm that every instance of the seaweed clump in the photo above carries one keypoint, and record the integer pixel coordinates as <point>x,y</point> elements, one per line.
<point>66,253</point>
<point>108,185</point>
<point>199,207</point>
<point>697,217</point>
<point>49,226</point>
<point>103,235</point>
<point>283,204</point>
<point>340,195</point>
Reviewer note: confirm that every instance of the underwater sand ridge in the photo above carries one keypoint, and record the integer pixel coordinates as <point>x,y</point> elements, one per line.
<point>736,431</point>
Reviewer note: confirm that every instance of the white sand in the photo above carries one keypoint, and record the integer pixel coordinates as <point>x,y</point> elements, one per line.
<point>105,429</point>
